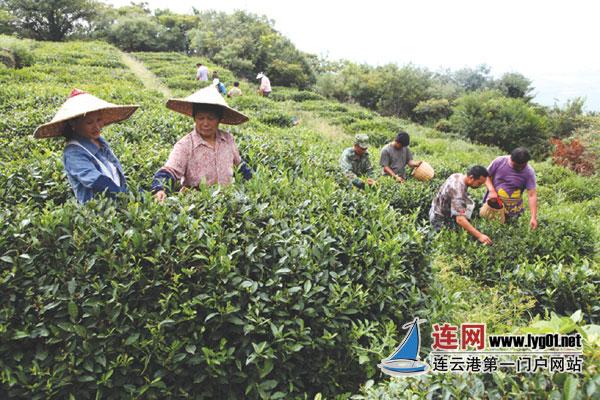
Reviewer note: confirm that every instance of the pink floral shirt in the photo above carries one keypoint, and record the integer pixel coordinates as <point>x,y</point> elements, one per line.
<point>194,161</point>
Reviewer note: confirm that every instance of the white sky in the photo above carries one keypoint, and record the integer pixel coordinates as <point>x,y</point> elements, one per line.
<point>554,43</point>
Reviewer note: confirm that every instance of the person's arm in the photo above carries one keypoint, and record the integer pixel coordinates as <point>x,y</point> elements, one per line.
<point>464,223</point>
<point>81,167</point>
<point>489,181</point>
<point>409,159</point>
<point>490,187</point>
<point>165,179</point>
<point>533,208</point>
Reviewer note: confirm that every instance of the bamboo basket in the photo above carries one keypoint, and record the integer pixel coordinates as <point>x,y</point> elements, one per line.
<point>493,213</point>
<point>423,172</point>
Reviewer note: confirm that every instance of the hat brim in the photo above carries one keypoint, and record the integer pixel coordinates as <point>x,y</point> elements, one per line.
<point>110,115</point>
<point>185,107</point>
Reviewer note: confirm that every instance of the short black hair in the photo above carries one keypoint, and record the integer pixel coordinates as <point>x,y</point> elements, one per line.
<point>236,83</point>
<point>520,155</point>
<point>198,107</point>
<point>477,171</point>
<point>403,138</point>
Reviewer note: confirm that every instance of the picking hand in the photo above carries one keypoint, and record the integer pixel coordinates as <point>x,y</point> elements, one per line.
<point>533,224</point>
<point>160,196</point>
<point>399,179</point>
<point>484,239</point>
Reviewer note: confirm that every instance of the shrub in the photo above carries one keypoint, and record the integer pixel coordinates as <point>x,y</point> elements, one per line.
<point>443,125</point>
<point>214,295</point>
<point>15,54</point>
<point>432,110</point>
<point>573,155</point>
<point>7,59</point>
<point>488,118</point>
<point>275,118</point>
<point>552,263</point>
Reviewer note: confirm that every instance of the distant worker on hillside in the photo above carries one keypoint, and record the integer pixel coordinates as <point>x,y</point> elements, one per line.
<point>452,206</point>
<point>201,72</point>
<point>207,155</point>
<point>395,156</point>
<point>88,160</point>
<point>355,162</point>
<point>220,87</point>
<point>235,91</point>
<point>265,85</point>
<point>509,177</point>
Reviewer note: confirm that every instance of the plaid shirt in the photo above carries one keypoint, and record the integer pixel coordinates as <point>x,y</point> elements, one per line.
<point>194,161</point>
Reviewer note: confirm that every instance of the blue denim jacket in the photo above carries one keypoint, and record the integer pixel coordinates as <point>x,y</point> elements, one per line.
<point>84,173</point>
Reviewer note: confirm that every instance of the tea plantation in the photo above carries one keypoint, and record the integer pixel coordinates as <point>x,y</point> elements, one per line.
<point>290,285</point>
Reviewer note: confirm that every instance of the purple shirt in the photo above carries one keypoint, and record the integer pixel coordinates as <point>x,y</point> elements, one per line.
<point>510,183</point>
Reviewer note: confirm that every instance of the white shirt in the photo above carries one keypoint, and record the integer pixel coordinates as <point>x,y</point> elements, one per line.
<point>202,73</point>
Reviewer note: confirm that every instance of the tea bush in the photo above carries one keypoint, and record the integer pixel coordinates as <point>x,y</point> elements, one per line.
<point>552,264</point>
<point>216,293</point>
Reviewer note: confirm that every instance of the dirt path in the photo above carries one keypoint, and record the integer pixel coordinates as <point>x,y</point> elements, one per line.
<point>149,80</point>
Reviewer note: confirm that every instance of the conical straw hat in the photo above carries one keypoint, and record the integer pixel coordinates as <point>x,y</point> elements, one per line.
<point>208,95</point>
<point>79,104</point>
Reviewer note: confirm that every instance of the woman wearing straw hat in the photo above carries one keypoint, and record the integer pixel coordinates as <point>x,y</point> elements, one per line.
<point>207,154</point>
<point>90,164</point>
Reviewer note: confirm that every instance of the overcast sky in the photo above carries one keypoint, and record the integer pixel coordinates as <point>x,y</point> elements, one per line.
<point>553,43</point>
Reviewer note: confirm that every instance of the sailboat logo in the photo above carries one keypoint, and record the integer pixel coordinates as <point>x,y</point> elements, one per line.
<point>405,360</point>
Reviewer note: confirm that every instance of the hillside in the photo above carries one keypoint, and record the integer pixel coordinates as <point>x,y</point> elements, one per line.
<point>265,288</point>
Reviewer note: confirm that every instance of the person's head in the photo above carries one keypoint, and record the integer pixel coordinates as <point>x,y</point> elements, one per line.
<point>361,143</point>
<point>476,176</point>
<point>402,140</point>
<point>519,158</point>
<point>236,84</point>
<point>88,126</point>
<point>207,118</point>
<point>198,65</point>
<point>215,74</point>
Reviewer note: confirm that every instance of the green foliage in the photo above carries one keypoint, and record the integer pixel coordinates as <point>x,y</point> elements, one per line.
<point>218,293</point>
<point>391,90</point>
<point>246,44</point>
<point>15,53</point>
<point>553,264</point>
<point>473,79</point>
<point>285,94</point>
<point>488,118</point>
<point>6,21</point>
<point>49,20</point>
<point>7,59</point>
<point>225,293</point>
<point>564,121</point>
<point>432,110</point>
<point>138,34</point>
<point>515,85</point>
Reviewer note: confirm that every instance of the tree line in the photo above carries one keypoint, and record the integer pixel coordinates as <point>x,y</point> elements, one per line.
<point>468,102</point>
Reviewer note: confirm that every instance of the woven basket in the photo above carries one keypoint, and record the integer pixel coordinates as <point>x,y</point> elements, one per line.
<point>491,213</point>
<point>423,172</point>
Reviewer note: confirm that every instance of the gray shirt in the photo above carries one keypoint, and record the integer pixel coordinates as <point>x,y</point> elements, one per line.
<point>395,159</point>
